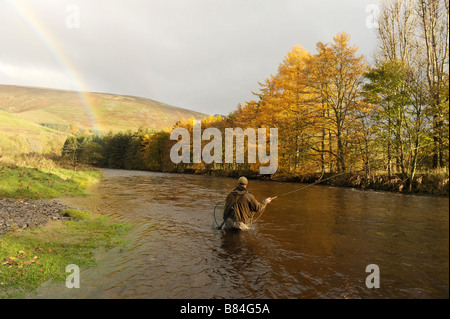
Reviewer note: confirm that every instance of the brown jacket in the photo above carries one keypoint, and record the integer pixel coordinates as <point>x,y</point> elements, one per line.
<point>246,207</point>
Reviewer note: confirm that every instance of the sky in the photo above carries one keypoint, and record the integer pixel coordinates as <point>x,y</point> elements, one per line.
<point>203,55</point>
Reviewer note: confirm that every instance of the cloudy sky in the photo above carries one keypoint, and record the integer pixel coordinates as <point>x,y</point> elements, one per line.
<point>205,55</point>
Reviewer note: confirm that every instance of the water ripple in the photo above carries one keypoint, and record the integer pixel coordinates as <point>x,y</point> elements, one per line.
<point>314,244</point>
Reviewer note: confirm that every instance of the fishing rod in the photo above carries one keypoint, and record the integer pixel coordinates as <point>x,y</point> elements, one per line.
<point>219,226</point>
<point>309,185</point>
<point>302,187</point>
<point>339,174</point>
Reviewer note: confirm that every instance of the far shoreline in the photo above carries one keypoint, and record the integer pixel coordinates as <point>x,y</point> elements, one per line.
<point>341,183</point>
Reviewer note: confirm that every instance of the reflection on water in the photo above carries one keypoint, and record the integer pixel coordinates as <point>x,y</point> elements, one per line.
<point>315,243</point>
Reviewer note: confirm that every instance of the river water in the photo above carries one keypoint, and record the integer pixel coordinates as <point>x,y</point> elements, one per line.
<point>314,243</point>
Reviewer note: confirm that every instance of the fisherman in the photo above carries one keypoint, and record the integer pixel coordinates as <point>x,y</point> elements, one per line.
<point>240,207</point>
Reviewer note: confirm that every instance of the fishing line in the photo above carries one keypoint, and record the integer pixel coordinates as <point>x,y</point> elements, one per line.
<point>300,188</point>
<point>368,165</point>
<point>317,182</point>
<point>218,226</point>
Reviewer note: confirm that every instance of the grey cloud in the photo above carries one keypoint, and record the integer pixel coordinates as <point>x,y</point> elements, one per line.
<point>203,55</point>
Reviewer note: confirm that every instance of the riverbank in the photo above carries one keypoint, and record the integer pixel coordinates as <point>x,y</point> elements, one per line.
<point>430,183</point>
<point>427,184</point>
<point>28,213</point>
<point>39,237</point>
<point>33,256</point>
<point>38,177</point>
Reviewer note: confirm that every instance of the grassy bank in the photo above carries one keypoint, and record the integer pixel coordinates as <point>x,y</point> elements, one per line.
<point>36,176</point>
<point>29,258</point>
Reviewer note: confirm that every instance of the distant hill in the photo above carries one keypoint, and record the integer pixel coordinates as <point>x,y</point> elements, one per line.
<point>39,119</point>
<point>111,112</point>
<point>18,135</point>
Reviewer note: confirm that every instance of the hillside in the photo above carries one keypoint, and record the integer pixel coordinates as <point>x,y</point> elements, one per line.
<point>100,111</point>
<point>18,135</point>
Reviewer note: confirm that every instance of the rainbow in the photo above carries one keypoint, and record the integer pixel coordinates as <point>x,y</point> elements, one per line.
<point>54,48</point>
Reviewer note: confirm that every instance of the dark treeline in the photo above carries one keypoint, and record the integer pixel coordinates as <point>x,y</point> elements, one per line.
<point>140,150</point>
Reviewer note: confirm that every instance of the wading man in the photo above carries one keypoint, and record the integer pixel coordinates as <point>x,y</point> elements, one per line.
<point>241,206</point>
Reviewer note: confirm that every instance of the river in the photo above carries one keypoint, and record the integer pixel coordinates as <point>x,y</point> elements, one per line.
<point>314,243</point>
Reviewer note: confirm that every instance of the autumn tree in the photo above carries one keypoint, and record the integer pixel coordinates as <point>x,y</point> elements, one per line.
<point>434,33</point>
<point>71,149</point>
<point>400,123</point>
<point>397,31</point>
<point>154,149</point>
<point>416,32</point>
<point>285,104</point>
<point>336,74</point>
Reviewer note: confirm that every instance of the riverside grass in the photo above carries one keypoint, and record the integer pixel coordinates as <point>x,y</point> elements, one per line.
<point>38,177</point>
<point>33,256</point>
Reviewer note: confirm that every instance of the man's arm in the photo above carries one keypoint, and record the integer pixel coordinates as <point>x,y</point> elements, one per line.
<point>256,206</point>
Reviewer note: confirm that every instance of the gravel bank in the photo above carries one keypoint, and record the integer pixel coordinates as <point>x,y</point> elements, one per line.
<point>28,213</point>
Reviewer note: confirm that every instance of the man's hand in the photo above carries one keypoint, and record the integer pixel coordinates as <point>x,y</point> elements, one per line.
<point>269,199</point>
